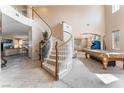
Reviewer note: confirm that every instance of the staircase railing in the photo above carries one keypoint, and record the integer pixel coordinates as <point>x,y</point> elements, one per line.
<point>50,34</point>
<point>57,47</point>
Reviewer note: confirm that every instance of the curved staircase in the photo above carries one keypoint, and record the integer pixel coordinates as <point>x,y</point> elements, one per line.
<point>59,60</point>
<point>58,64</point>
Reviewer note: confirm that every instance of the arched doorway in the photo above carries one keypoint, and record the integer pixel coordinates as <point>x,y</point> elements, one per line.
<point>86,40</point>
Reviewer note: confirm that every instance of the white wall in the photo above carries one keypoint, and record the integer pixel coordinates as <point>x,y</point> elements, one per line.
<point>30,43</point>
<point>38,28</point>
<point>58,31</point>
<point>76,16</point>
<point>114,22</point>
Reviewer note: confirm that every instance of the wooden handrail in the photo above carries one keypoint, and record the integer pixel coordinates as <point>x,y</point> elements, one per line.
<point>46,24</point>
<point>67,40</point>
<point>91,34</point>
<point>56,65</point>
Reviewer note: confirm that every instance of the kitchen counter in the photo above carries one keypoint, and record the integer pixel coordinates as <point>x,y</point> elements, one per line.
<point>13,51</point>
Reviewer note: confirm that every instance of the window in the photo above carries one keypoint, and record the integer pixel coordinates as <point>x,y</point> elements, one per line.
<point>116,39</point>
<point>115,8</point>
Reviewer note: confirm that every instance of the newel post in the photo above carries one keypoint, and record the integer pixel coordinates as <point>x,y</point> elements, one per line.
<point>56,66</point>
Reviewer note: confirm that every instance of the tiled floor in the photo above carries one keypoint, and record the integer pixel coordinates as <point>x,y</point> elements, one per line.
<point>21,72</point>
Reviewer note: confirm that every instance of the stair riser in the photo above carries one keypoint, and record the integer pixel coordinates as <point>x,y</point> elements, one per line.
<point>60,48</point>
<point>61,66</point>
<point>61,74</point>
<point>49,70</point>
<point>59,58</point>
<point>54,63</point>
<point>59,53</point>
<point>51,62</point>
<point>53,57</point>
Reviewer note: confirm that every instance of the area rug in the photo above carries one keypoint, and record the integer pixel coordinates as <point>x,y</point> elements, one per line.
<point>107,78</point>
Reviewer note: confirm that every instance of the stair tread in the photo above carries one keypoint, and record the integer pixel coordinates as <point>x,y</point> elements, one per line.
<point>65,46</point>
<point>53,60</point>
<point>49,66</point>
<point>60,51</point>
<point>58,55</point>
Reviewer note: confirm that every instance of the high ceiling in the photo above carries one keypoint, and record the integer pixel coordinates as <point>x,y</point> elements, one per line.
<point>12,28</point>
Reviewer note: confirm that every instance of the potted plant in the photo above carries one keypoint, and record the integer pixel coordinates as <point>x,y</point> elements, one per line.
<point>45,35</point>
<point>45,49</point>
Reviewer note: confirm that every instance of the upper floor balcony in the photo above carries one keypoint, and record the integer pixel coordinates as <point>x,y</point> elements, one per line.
<point>22,14</point>
<point>22,9</point>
